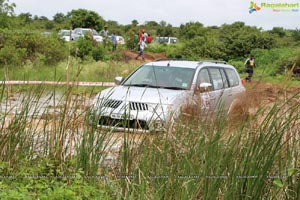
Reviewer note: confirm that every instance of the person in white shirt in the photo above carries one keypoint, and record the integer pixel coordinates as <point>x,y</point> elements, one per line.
<point>142,45</point>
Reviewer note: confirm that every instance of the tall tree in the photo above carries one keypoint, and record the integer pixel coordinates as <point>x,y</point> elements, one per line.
<point>6,10</point>
<point>240,39</point>
<point>134,23</point>
<point>86,19</point>
<point>191,30</point>
<point>25,17</point>
<point>59,18</point>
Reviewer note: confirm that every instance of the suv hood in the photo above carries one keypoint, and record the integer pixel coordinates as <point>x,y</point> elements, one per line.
<point>142,94</point>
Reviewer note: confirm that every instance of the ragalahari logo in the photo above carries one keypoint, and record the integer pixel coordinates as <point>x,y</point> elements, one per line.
<point>253,7</point>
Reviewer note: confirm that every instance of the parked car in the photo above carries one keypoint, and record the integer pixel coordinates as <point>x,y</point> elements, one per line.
<point>80,32</point>
<point>151,96</point>
<point>65,34</point>
<point>166,40</point>
<point>46,33</point>
<point>120,39</point>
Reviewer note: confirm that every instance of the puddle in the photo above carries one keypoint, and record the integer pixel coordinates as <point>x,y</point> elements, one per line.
<point>43,113</point>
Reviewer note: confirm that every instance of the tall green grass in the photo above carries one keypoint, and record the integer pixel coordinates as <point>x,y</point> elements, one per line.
<point>87,71</point>
<point>255,160</point>
<point>200,158</point>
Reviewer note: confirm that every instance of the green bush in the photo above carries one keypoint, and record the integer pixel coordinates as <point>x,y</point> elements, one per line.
<point>156,48</point>
<point>276,61</point>
<point>86,48</point>
<point>98,53</point>
<point>82,49</point>
<point>19,46</point>
<point>238,64</point>
<point>10,55</point>
<point>203,47</point>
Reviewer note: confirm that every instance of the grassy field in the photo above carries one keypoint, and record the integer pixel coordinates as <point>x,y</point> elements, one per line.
<point>251,158</point>
<point>88,71</point>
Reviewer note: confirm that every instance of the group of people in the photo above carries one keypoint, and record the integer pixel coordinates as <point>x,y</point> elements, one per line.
<point>105,34</point>
<point>143,39</point>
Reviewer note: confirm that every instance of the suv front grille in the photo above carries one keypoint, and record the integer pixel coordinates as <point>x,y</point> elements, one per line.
<point>132,105</point>
<point>138,106</point>
<point>135,124</point>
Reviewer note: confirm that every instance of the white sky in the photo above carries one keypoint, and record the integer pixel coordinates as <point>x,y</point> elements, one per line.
<point>174,12</point>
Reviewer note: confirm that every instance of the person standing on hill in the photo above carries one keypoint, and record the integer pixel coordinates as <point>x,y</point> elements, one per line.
<point>104,32</point>
<point>142,45</point>
<point>143,36</point>
<point>114,41</point>
<point>149,39</point>
<point>249,65</point>
<point>136,38</point>
<point>140,35</point>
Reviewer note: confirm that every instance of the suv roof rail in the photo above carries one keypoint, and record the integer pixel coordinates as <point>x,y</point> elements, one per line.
<point>160,59</point>
<point>213,61</point>
<point>166,59</point>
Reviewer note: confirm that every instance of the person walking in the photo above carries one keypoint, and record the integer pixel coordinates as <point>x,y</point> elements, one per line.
<point>114,41</point>
<point>249,65</point>
<point>142,45</point>
<point>143,36</point>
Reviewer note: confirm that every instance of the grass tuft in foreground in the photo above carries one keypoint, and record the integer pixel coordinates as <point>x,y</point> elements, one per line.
<point>47,150</point>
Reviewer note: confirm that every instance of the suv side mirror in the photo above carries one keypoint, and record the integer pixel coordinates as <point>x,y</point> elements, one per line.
<point>118,80</point>
<point>205,87</point>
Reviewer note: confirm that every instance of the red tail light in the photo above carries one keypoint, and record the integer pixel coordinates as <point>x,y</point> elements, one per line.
<point>243,81</point>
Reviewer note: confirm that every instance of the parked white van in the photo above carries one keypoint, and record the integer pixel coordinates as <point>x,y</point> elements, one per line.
<point>167,40</point>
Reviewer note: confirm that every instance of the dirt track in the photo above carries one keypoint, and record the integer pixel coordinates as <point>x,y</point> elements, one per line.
<point>265,94</point>
<point>130,55</point>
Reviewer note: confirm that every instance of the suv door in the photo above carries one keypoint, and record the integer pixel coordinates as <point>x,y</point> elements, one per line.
<point>219,84</point>
<point>234,82</point>
<point>207,95</point>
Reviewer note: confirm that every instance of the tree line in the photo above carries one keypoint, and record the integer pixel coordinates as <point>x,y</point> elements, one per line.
<point>21,39</point>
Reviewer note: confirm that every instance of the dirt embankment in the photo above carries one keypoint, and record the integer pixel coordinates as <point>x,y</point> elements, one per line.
<point>131,55</point>
<point>263,94</point>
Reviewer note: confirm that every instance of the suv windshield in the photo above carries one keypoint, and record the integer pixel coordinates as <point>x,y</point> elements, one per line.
<point>161,77</point>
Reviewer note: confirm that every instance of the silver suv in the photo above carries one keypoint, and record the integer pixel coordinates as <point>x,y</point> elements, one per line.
<point>80,32</point>
<point>154,93</point>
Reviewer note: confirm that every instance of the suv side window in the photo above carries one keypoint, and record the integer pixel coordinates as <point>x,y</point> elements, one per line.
<point>203,77</point>
<point>217,79</point>
<point>225,81</point>
<point>232,77</point>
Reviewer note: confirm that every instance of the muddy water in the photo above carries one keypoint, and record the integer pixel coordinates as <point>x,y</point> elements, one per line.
<point>43,113</point>
<point>38,104</point>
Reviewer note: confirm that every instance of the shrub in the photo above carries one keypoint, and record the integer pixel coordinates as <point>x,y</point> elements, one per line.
<point>238,64</point>
<point>82,48</point>
<point>17,47</point>
<point>10,55</point>
<point>98,53</point>
<point>276,61</point>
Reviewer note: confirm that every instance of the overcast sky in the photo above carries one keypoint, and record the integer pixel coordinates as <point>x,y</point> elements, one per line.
<point>174,12</point>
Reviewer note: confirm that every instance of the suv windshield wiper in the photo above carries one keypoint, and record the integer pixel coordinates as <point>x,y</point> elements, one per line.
<point>154,86</point>
<point>141,85</point>
<point>172,88</point>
